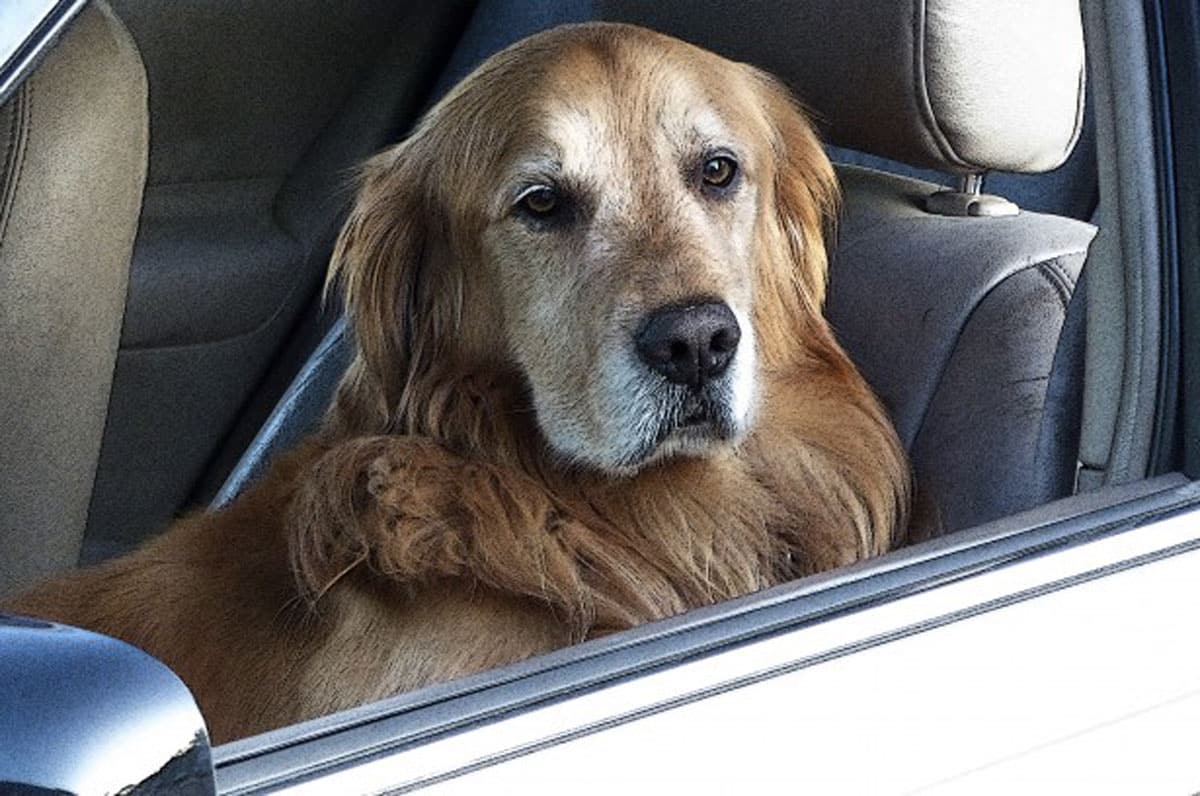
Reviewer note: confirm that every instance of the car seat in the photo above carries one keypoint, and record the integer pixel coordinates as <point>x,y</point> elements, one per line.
<point>73,149</point>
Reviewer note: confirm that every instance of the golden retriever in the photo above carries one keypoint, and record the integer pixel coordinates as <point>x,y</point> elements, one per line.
<point>593,388</point>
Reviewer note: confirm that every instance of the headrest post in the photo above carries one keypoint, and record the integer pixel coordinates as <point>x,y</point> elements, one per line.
<point>971,183</point>
<point>969,200</point>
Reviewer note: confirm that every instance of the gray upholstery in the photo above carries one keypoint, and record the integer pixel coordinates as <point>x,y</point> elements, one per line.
<point>73,141</point>
<point>237,111</point>
<point>946,84</point>
<point>956,323</point>
<point>304,402</point>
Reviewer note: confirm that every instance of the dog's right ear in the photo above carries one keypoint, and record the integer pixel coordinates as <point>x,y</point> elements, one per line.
<point>378,263</point>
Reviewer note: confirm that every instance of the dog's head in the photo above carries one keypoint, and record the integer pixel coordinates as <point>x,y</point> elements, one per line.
<point>629,223</point>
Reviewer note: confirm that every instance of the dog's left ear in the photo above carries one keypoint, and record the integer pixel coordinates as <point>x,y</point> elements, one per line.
<point>806,189</point>
<point>376,263</point>
<point>381,264</point>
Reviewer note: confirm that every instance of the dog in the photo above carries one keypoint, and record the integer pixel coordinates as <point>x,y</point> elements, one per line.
<point>593,387</point>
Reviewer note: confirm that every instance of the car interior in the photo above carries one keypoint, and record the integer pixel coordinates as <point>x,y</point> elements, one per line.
<point>174,176</point>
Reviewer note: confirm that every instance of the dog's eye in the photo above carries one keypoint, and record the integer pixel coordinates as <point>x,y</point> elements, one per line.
<point>540,201</point>
<point>719,171</point>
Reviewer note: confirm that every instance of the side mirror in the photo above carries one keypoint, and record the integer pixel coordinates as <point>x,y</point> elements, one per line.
<point>85,713</point>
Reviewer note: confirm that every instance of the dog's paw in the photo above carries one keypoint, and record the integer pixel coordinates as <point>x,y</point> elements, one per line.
<point>400,519</point>
<point>410,481</point>
<point>381,474</point>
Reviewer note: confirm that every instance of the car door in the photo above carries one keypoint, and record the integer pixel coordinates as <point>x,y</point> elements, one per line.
<point>258,113</point>
<point>1042,649</point>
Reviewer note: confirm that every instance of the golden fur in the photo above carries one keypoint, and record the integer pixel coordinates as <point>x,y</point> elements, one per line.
<point>468,501</point>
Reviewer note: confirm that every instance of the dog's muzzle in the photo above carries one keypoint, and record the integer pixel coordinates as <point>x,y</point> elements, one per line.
<point>692,351</point>
<point>689,344</point>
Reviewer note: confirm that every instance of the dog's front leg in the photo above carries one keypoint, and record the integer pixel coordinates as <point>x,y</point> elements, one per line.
<point>407,509</point>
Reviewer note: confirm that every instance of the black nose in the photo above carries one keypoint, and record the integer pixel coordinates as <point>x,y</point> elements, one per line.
<point>689,344</point>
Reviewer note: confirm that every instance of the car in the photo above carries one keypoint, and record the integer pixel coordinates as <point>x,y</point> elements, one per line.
<point>1033,334</point>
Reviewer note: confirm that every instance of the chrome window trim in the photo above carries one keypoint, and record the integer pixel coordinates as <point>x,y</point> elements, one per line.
<point>28,30</point>
<point>411,720</point>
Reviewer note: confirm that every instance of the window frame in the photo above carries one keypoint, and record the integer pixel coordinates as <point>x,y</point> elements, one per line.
<point>22,47</point>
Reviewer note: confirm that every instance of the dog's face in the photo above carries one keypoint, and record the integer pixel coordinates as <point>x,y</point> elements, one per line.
<point>621,233</point>
<point>614,213</point>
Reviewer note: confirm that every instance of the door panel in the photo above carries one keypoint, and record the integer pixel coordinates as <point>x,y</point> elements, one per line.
<point>259,110</point>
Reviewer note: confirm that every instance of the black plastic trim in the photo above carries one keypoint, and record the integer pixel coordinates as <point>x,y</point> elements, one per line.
<point>1164,449</point>
<point>1164,445</point>
<point>1179,24</point>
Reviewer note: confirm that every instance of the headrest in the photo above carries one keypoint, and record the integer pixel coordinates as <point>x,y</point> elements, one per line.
<point>947,84</point>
